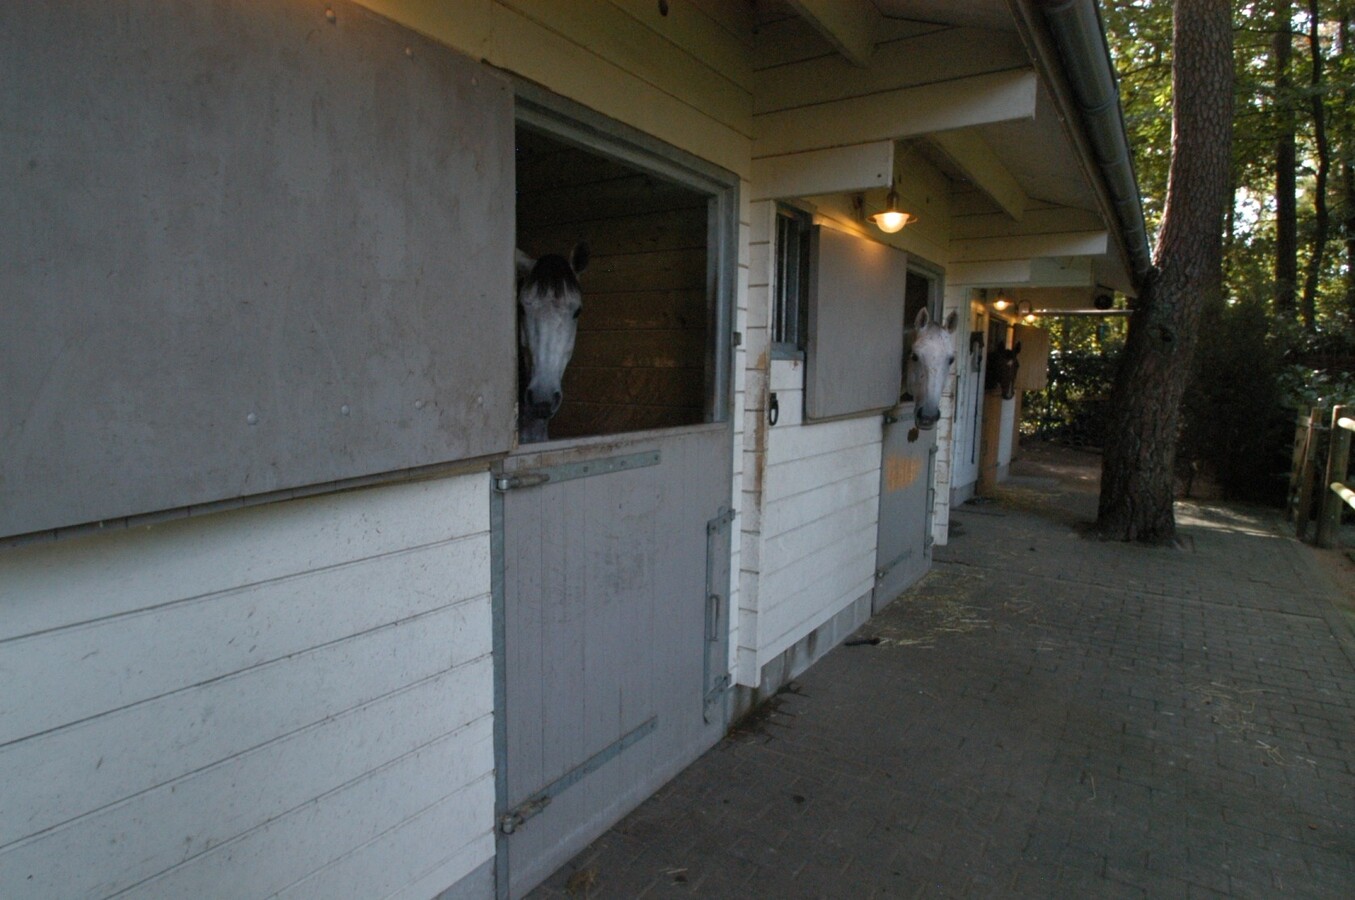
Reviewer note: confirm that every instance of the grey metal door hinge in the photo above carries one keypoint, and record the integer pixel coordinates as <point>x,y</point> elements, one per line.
<point>512,820</point>
<point>521,480</point>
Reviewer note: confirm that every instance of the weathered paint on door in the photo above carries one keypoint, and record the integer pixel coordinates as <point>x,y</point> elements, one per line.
<point>903,550</point>
<point>605,622</point>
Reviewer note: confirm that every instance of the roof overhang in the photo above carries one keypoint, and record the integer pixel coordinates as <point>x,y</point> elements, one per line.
<point>1014,100</point>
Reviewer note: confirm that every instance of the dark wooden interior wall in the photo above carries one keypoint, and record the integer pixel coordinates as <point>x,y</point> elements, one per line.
<point>640,357</point>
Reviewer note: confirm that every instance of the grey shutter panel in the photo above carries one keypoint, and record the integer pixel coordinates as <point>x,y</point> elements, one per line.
<point>253,248</point>
<point>855,351</point>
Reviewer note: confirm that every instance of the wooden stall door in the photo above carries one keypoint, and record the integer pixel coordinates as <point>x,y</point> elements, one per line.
<point>908,455</point>
<point>614,601</point>
<point>903,548</point>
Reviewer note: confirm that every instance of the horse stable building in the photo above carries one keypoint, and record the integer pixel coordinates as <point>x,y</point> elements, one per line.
<point>287,605</point>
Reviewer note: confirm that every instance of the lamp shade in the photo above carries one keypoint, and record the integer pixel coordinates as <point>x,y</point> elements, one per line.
<point>892,219</point>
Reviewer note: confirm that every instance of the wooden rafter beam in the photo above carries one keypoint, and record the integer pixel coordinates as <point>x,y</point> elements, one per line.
<point>838,170</point>
<point>849,25</point>
<point>891,115</point>
<point>1030,246</point>
<point>1067,272</point>
<point>985,170</point>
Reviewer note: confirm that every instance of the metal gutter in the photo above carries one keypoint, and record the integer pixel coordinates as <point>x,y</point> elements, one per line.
<point>1078,37</point>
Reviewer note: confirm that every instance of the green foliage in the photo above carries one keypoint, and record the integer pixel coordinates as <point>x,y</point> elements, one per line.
<point>1235,426</point>
<point>1139,33</point>
<point>1083,356</point>
<point>1254,367</point>
<point>1317,369</point>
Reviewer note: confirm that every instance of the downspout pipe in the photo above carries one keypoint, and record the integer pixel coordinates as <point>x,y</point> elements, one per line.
<point>1079,37</point>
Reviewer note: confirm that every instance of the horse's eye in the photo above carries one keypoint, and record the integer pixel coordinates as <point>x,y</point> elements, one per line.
<point>577,311</point>
<point>951,360</point>
<point>915,359</point>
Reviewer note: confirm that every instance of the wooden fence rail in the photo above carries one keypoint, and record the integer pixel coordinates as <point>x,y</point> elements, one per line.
<point>1338,494</point>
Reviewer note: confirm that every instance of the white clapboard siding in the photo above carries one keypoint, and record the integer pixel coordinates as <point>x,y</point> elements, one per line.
<point>134,749</point>
<point>821,497</point>
<point>793,444</point>
<point>805,609</point>
<point>123,842</point>
<point>788,515</point>
<point>784,551</point>
<point>251,698</point>
<point>807,604</point>
<point>126,659</point>
<point>818,559</point>
<point>46,586</point>
<point>280,852</point>
<point>797,476</point>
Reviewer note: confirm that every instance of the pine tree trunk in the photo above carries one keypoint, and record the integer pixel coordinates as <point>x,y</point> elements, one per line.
<point>1286,167</point>
<point>1137,479</point>
<point>1347,141</point>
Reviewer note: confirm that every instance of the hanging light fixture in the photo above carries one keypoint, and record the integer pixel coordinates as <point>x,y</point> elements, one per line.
<point>892,219</point>
<point>1002,304</point>
<point>1026,312</point>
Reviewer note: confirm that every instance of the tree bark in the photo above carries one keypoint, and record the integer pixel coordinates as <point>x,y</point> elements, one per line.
<point>1321,216</point>
<point>1137,477</point>
<point>1286,167</point>
<point>1347,142</point>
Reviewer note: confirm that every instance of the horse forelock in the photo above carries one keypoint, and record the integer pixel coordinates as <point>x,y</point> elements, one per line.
<point>551,275</point>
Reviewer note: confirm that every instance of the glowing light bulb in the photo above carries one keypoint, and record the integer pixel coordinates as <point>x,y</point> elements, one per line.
<point>892,219</point>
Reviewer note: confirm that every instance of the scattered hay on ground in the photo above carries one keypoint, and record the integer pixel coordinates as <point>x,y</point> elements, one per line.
<point>936,607</point>
<point>1227,708</point>
<point>1231,709</point>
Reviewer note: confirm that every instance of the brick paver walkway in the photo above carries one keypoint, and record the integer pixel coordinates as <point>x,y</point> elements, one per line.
<point>1045,715</point>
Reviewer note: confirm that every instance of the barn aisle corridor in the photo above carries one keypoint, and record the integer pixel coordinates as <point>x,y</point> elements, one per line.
<point>1045,714</point>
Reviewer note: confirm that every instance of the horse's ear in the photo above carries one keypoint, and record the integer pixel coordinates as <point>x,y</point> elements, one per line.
<point>1016,348</point>
<point>578,258</point>
<point>524,263</point>
<point>923,317</point>
<point>952,321</point>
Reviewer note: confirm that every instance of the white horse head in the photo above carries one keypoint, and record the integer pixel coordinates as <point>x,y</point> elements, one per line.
<point>928,365</point>
<point>549,302</point>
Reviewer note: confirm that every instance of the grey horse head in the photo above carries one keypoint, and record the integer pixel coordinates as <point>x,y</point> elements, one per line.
<point>549,303</point>
<point>928,364</point>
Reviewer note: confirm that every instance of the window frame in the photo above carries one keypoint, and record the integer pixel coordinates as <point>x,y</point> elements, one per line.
<point>569,121</point>
<point>792,262</point>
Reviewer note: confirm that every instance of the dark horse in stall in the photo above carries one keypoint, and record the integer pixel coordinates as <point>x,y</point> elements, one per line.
<point>1002,366</point>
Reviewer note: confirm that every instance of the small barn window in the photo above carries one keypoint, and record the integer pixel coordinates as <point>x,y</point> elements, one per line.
<point>652,333</point>
<point>790,302</point>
